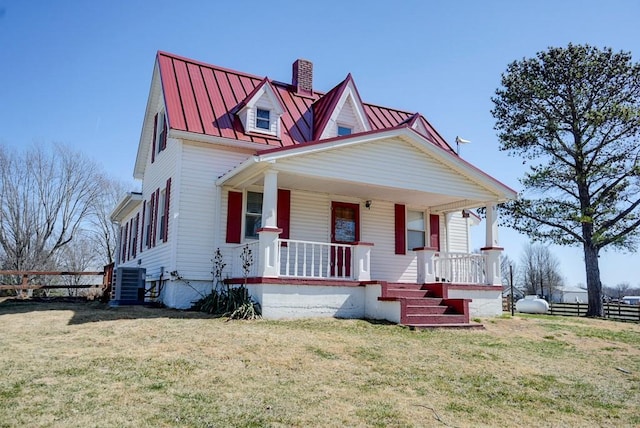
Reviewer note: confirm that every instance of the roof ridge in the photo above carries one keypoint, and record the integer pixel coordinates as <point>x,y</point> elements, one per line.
<point>212,66</point>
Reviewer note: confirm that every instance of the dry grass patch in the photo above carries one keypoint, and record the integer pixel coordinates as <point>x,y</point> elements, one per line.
<point>68,364</point>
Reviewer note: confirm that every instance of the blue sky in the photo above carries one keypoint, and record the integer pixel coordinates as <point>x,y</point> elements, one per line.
<point>78,72</point>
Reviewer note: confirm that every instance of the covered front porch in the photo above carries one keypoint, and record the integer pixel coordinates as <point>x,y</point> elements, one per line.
<point>384,208</point>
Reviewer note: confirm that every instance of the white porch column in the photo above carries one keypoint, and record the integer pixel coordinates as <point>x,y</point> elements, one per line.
<point>491,237</point>
<point>362,261</point>
<point>492,251</point>
<point>268,259</point>
<point>426,264</point>
<point>270,199</point>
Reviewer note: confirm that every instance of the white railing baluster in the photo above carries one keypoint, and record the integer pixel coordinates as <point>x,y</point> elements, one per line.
<point>460,267</point>
<point>307,259</point>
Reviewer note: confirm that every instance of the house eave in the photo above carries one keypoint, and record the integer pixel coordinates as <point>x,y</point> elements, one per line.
<point>127,204</point>
<point>211,139</point>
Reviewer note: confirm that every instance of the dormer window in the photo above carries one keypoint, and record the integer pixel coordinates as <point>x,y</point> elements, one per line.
<point>344,130</point>
<point>261,111</point>
<point>262,119</point>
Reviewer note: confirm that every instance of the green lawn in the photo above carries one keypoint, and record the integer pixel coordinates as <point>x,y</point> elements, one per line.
<point>87,365</point>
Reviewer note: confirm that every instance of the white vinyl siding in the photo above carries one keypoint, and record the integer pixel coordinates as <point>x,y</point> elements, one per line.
<point>458,234</point>
<point>198,237</point>
<point>408,168</point>
<point>156,257</point>
<point>378,227</point>
<point>346,117</point>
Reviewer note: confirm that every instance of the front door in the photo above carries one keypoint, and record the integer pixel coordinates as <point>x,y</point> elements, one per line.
<point>345,229</point>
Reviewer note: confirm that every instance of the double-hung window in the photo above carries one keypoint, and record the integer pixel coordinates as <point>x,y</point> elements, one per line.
<point>253,215</point>
<point>163,218</point>
<point>263,120</point>
<point>415,229</point>
<point>147,225</point>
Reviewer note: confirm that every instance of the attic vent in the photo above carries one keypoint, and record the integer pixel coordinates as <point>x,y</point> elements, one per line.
<point>128,286</point>
<point>303,76</point>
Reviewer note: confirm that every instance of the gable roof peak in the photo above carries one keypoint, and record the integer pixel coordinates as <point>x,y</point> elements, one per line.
<point>264,88</point>
<point>327,109</point>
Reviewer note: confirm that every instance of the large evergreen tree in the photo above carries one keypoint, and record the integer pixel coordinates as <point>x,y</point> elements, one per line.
<point>573,115</point>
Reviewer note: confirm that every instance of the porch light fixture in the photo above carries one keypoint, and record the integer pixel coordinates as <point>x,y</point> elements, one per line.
<point>465,214</point>
<point>367,204</point>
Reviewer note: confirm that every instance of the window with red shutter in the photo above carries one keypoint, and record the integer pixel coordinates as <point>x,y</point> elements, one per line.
<point>155,218</point>
<point>144,226</point>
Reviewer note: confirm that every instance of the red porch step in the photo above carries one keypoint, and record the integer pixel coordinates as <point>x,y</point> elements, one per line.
<point>427,306</point>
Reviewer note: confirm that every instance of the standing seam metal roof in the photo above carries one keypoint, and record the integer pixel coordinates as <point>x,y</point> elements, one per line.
<point>203,99</point>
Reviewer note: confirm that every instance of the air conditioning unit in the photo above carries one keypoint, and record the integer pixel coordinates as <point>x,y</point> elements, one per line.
<point>128,286</point>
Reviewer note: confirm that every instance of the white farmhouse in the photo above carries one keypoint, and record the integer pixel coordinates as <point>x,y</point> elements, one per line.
<point>350,209</point>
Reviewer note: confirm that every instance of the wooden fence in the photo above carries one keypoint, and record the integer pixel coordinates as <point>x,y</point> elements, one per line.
<point>615,311</point>
<point>36,280</point>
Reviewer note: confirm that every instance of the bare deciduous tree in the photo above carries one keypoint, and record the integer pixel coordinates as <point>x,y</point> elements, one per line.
<point>104,233</point>
<point>539,272</point>
<point>46,194</point>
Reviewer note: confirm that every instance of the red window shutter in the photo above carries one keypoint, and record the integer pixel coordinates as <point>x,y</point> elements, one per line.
<point>400,229</point>
<point>151,211</point>
<point>434,231</point>
<point>155,218</point>
<point>144,209</point>
<point>124,242</point>
<point>163,134</point>
<point>129,249</point>
<point>234,217</point>
<point>167,195</point>
<point>153,142</point>
<point>137,223</point>
<point>121,245</point>
<point>284,212</point>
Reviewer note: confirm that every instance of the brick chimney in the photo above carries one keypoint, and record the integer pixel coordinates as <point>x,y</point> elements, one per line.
<point>303,76</point>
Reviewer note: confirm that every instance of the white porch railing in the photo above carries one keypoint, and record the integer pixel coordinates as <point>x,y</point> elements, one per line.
<point>237,269</point>
<point>307,259</point>
<point>460,268</point>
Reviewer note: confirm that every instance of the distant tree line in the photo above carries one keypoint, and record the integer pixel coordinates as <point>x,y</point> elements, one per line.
<point>538,272</point>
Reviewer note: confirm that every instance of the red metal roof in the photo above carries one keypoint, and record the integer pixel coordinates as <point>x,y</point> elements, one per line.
<point>203,99</point>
